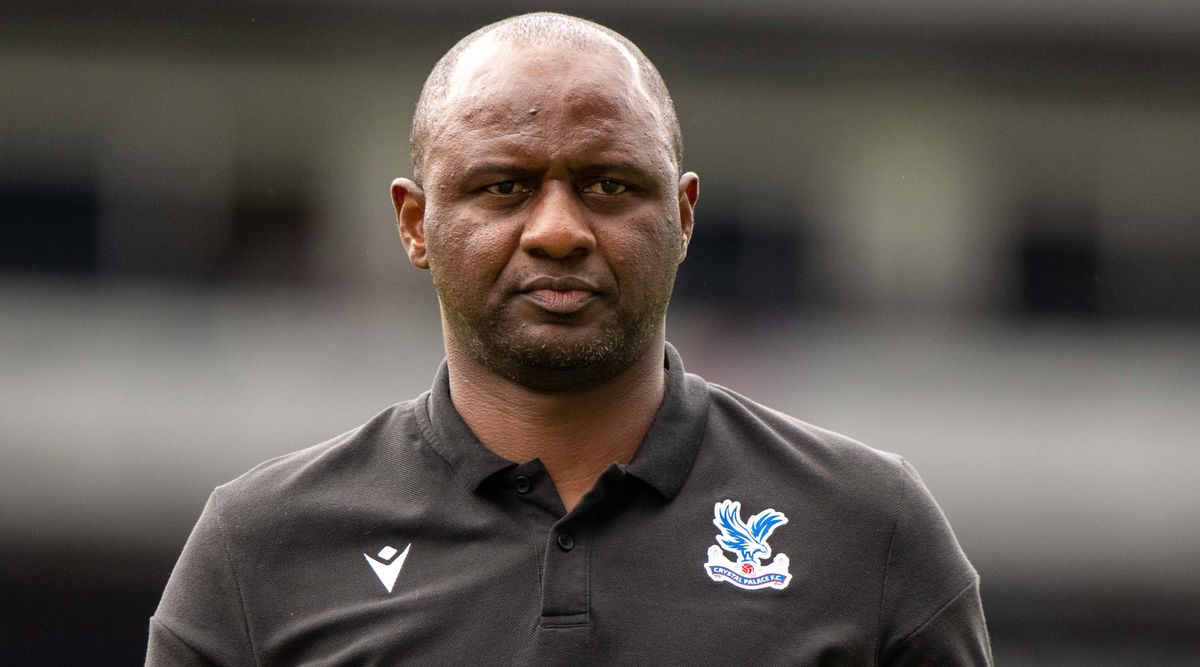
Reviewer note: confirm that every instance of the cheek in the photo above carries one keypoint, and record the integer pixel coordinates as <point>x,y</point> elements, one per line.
<point>465,253</point>
<point>645,253</point>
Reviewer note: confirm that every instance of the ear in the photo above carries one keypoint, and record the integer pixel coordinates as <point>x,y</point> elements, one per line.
<point>409,200</point>
<point>689,192</point>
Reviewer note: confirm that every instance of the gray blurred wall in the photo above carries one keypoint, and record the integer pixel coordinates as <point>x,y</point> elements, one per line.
<point>968,233</point>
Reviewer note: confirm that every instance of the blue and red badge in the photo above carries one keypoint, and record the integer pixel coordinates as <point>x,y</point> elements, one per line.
<point>748,540</point>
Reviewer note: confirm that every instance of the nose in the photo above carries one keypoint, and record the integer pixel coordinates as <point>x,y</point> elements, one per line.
<point>558,227</point>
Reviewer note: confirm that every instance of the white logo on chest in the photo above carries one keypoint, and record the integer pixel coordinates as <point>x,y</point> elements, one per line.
<point>388,569</point>
<point>749,542</point>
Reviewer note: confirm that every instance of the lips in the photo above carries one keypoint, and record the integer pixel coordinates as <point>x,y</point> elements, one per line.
<point>559,295</point>
<point>560,301</point>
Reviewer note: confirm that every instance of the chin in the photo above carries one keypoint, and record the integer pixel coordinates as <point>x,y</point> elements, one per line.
<point>555,363</point>
<point>558,357</point>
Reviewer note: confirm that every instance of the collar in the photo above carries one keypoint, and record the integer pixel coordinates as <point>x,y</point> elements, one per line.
<point>663,460</point>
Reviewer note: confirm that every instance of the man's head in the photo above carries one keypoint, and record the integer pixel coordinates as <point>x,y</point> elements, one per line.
<point>551,208</point>
<point>540,30</point>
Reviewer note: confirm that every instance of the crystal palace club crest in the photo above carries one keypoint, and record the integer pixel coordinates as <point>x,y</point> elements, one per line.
<point>748,541</point>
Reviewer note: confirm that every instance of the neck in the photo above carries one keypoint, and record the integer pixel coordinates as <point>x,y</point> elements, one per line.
<point>576,435</point>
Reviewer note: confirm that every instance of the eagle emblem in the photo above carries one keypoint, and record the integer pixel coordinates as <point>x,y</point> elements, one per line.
<point>748,540</point>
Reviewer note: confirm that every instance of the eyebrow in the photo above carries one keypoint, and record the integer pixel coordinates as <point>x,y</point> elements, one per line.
<point>479,171</point>
<point>510,171</point>
<point>618,167</point>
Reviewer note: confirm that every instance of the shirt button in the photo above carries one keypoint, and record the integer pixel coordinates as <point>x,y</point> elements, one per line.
<point>565,542</point>
<point>522,484</point>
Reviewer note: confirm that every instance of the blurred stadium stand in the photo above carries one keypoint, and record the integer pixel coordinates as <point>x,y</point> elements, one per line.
<point>966,232</point>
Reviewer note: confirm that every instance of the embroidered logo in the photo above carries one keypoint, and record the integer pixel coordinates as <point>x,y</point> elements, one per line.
<point>389,568</point>
<point>749,542</point>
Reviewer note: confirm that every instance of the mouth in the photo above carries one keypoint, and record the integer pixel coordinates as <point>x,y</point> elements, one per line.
<point>561,302</point>
<point>561,296</point>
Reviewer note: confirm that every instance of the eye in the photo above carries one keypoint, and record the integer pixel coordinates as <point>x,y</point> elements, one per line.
<point>605,186</point>
<point>506,188</point>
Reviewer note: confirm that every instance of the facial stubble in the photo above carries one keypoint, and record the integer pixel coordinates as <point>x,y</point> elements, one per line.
<point>506,347</point>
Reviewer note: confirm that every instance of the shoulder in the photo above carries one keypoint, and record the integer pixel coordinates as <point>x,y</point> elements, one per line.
<point>868,505</point>
<point>331,473</point>
<point>801,451</point>
<point>830,475</point>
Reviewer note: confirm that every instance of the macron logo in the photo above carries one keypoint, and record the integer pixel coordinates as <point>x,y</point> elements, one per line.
<point>388,568</point>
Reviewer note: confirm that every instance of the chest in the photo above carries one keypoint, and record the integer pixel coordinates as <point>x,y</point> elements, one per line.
<point>512,583</point>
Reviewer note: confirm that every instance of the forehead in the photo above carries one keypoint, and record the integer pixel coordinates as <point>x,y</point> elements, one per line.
<point>548,101</point>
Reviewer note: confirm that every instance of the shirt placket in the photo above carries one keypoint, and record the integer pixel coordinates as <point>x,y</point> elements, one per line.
<point>560,545</point>
<point>563,543</point>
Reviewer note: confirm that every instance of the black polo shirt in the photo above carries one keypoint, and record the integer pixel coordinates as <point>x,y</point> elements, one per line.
<point>736,535</point>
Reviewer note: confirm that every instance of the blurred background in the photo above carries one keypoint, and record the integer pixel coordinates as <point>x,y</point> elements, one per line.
<point>966,232</point>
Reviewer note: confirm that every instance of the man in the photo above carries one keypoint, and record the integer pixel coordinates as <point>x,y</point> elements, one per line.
<point>566,493</point>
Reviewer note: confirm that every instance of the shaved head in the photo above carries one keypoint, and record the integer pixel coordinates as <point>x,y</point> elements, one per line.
<point>540,30</point>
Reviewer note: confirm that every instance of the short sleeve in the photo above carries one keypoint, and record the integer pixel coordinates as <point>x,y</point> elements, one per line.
<point>200,619</point>
<point>930,611</point>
